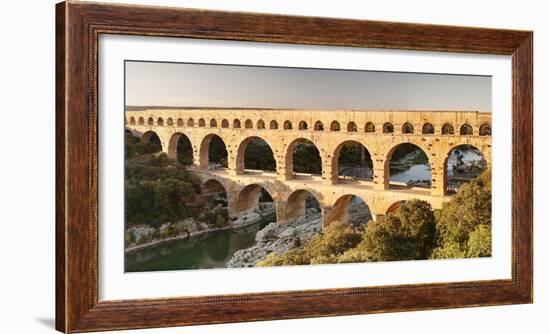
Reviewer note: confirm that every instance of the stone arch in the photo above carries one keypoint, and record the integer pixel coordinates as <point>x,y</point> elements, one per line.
<point>484,129</point>
<point>190,122</point>
<point>213,123</point>
<point>151,137</point>
<point>418,173</point>
<point>310,149</point>
<point>428,129</point>
<point>287,125</point>
<point>352,127</point>
<point>260,125</point>
<point>447,129</point>
<point>212,186</point>
<point>318,126</point>
<point>335,126</point>
<point>464,168</point>
<point>202,123</point>
<point>160,121</point>
<point>347,209</point>
<point>248,124</point>
<point>354,153</point>
<point>207,154</point>
<point>236,123</point>
<point>249,198</point>
<point>180,122</point>
<point>150,121</point>
<point>466,130</point>
<point>141,121</point>
<point>297,204</point>
<point>170,121</point>
<point>407,128</point>
<point>302,125</point>
<point>242,150</point>
<point>369,127</point>
<point>387,127</point>
<point>225,123</point>
<point>132,120</point>
<point>180,149</point>
<point>273,125</point>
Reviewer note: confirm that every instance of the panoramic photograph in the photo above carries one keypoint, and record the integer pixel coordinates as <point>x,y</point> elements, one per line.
<point>231,166</point>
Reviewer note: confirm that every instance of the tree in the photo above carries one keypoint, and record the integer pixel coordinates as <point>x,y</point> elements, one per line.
<point>466,216</point>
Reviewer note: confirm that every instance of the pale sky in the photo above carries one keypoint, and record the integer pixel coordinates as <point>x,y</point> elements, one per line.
<point>204,85</point>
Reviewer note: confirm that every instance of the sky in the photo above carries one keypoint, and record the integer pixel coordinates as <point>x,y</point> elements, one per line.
<point>208,85</point>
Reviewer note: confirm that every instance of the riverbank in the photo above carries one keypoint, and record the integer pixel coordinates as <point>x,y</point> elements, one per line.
<point>241,222</point>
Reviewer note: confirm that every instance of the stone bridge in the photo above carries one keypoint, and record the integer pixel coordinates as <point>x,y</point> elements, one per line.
<point>437,133</point>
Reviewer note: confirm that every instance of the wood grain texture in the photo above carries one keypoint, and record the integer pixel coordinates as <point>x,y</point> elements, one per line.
<point>78,28</point>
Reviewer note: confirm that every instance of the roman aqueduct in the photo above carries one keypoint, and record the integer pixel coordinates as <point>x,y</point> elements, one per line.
<point>437,133</point>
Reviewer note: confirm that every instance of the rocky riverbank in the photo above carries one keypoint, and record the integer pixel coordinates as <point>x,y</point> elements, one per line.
<point>279,239</point>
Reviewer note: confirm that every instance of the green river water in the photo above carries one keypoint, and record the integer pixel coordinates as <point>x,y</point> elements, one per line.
<point>209,251</point>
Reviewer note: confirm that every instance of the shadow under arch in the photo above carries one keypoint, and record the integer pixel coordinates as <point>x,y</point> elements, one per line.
<point>152,138</point>
<point>251,197</point>
<point>301,202</point>
<point>353,154</point>
<point>348,209</point>
<point>213,150</point>
<point>305,158</point>
<point>181,149</point>
<point>255,153</point>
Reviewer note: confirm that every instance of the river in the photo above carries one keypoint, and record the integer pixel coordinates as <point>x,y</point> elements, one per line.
<point>212,250</point>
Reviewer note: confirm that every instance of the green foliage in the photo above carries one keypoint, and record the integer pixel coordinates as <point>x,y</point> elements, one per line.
<point>134,147</point>
<point>156,189</point>
<point>259,156</point>
<point>351,154</point>
<point>306,158</point>
<point>217,152</point>
<point>467,216</point>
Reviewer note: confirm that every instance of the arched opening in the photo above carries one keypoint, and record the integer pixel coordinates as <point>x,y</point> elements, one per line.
<point>387,128</point>
<point>213,153</point>
<point>214,196</point>
<point>318,126</point>
<point>407,165</point>
<point>287,125</point>
<point>202,123</point>
<point>369,127</point>
<point>349,209</point>
<point>302,156</point>
<point>302,125</point>
<point>225,123</point>
<point>466,130</point>
<point>170,121</point>
<point>260,125</point>
<point>248,124</point>
<point>255,200</point>
<point>180,122</point>
<point>407,128</point>
<point>132,120</point>
<point>141,121</point>
<point>302,203</point>
<point>484,130</point>
<point>352,127</point>
<point>236,123</point>
<point>447,129</point>
<point>255,153</point>
<point>334,126</point>
<point>273,125</point>
<point>428,129</point>
<point>352,161</point>
<point>392,208</point>
<point>190,122</point>
<point>180,149</point>
<point>150,121</point>
<point>152,141</point>
<point>160,121</point>
<point>463,164</point>
<point>213,123</point>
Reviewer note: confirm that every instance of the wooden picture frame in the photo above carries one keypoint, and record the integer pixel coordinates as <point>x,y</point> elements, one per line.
<point>78,27</point>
